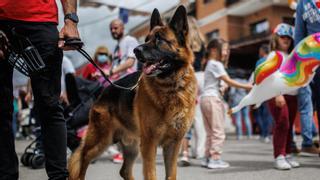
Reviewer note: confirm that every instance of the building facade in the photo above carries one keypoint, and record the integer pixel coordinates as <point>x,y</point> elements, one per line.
<point>245,24</point>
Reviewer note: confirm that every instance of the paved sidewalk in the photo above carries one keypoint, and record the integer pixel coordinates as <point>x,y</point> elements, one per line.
<point>249,160</point>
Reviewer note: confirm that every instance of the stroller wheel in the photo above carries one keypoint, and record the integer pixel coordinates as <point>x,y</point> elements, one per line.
<point>37,161</point>
<point>25,158</point>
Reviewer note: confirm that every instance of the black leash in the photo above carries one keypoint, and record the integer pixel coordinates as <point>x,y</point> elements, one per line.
<point>77,44</point>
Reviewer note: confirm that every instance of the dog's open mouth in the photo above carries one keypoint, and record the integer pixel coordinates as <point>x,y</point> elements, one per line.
<point>154,68</point>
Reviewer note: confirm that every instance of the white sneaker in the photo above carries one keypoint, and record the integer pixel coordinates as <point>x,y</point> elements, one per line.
<point>204,162</point>
<point>184,161</point>
<point>292,162</point>
<point>281,163</point>
<point>266,140</point>
<point>217,164</point>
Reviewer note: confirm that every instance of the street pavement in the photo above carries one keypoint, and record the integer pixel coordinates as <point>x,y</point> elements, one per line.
<point>249,160</point>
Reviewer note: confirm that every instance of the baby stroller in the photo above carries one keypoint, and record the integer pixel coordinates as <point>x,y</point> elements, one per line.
<point>81,95</point>
<point>33,155</point>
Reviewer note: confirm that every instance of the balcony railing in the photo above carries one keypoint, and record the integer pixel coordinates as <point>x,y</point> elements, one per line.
<point>230,2</point>
<point>250,39</point>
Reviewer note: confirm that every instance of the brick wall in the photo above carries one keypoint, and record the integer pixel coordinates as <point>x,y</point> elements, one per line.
<point>204,9</point>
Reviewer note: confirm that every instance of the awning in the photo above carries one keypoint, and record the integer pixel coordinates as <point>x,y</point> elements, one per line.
<point>135,7</point>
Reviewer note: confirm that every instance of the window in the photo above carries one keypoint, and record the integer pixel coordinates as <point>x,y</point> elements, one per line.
<point>259,27</point>
<point>207,1</point>
<point>213,34</point>
<point>288,20</point>
<point>230,2</point>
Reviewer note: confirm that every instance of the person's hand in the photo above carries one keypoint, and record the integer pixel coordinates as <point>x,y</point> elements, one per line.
<point>106,72</point>
<point>280,101</point>
<point>1,55</point>
<point>28,97</point>
<point>64,97</point>
<point>96,75</point>
<point>248,87</point>
<point>69,30</point>
<point>223,88</point>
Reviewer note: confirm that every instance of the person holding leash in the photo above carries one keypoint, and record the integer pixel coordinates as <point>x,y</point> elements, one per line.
<point>37,20</point>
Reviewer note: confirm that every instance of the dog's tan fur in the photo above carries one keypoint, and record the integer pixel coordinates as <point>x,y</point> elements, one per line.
<point>160,113</point>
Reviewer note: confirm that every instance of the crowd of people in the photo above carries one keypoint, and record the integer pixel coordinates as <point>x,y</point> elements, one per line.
<point>274,118</point>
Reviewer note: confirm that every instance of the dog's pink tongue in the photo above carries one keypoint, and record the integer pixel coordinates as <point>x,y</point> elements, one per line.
<point>149,69</point>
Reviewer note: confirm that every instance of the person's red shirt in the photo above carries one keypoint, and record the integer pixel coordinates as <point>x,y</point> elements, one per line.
<point>88,70</point>
<point>29,10</point>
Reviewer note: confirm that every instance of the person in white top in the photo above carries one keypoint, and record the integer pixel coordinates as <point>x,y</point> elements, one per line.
<point>200,134</point>
<point>123,59</point>
<point>67,68</point>
<point>211,102</point>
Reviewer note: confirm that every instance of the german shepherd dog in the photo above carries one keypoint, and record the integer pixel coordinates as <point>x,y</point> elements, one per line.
<point>158,112</point>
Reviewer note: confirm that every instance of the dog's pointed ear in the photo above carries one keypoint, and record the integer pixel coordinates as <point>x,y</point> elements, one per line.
<point>155,19</point>
<point>179,24</point>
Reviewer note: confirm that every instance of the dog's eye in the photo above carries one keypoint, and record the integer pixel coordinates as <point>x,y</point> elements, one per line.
<point>147,39</point>
<point>158,39</point>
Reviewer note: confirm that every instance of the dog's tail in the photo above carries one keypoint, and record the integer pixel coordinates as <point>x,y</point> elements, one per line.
<point>75,163</point>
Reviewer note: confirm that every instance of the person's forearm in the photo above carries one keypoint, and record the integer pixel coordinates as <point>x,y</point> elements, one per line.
<point>29,87</point>
<point>123,67</point>
<point>69,6</point>
<point>234,83</point>
<point>237,84</point>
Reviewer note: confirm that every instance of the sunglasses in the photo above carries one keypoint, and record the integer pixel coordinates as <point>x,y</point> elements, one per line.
<point>285,36</point>
<point>103,54</point>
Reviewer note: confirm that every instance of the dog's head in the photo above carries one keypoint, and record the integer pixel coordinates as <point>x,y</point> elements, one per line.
<point>166,48</point>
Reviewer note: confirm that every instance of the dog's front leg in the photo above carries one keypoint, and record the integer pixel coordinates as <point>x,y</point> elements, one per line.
<point>130,152</point>
<point>170,153</point>
<point>148,153</point>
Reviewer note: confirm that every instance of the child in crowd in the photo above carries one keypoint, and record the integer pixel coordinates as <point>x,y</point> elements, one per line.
<point>284,107</point>
<point>211,102</point>
<point>262,114</point>
<point>236,95</point>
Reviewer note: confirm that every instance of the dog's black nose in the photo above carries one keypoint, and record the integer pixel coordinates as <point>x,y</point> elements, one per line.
<point>138,52</point>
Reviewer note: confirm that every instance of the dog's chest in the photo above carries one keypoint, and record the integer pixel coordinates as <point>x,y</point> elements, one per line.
<point>179,120</point>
